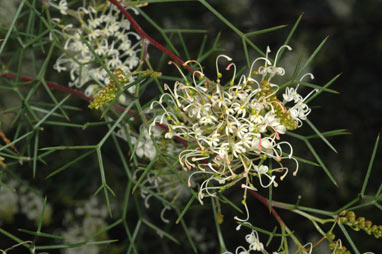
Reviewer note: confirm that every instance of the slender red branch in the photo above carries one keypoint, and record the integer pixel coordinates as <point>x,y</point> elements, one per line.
<point>144,35</point>
<point>266,203</point>
<point>61,88</point>
<point>51,85</point>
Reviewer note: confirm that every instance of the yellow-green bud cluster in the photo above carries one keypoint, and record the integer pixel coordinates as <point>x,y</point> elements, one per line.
<point>350,219</point>
<point>110,91</point>
<point>153,74</point>
<point>336,245</point>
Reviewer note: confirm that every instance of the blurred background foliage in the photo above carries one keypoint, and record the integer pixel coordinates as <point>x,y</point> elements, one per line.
<point>354,49</point>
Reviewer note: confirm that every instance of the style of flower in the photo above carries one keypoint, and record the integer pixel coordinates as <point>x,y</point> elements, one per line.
<point>233,129</point>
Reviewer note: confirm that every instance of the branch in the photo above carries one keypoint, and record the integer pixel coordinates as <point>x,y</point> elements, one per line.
<point>266,203</point>
<point>51,85</point>
<point>278,218</point>
<point>145,36</point>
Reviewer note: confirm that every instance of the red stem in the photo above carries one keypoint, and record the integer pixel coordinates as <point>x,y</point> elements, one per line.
<point>144,35</point>
<point>266,203</point>
<point>51,85</point>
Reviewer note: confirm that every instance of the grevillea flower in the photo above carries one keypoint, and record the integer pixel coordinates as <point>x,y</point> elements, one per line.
<point>101,41</point>
<point>234,131</point>
<point>253,241</point>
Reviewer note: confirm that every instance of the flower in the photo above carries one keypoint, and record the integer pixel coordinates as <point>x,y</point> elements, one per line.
<point>161,179</point>
<point>62,6</point>
<point>145,147</point>
<point>88,219</point>
<point>254,243</point>
<point>8,203</point>
<point>103,36</point>
<point>31,205</point>
<point>233,129</point>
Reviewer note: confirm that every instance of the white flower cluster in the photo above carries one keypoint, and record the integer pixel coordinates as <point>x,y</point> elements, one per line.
<point>145,147</point>
<point>31,205</point>
<point>92,217</point>
<point>108,34</point>
<point>161,180</point>
<point>8,203</point>
<point>14,196</point>
<point>254,244</point>
<point>202,239</point>
<point>233,130</point>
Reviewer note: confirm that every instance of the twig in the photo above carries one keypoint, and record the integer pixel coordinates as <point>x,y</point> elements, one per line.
<point>51,85</point>
<point>266,203</point>
<point>144,35</point>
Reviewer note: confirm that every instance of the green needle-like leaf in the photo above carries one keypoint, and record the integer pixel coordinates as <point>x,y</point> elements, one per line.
<point>160,231</point>
<point>323,166</point>
<point>70,163</point>
<point>365,181</point>
<point>320,135</point>
<point>310,59</point>
<point>349,239</point>
<point>192,199</point>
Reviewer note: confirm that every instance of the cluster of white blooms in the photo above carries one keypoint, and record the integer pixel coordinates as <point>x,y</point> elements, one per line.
<point>31,205</point>
<point>254,244</point>
<point>145,147</point>
<point>108,35</point>
<point>234,130</point>
<point>87,220</point>
<point>160,180</point>
<point>13,195</point>
<point>8,202</point>
<point>202,239</point>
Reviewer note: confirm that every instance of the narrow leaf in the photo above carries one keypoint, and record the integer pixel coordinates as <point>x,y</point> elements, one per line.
<point>365,181</point>
<point>320,135</point>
